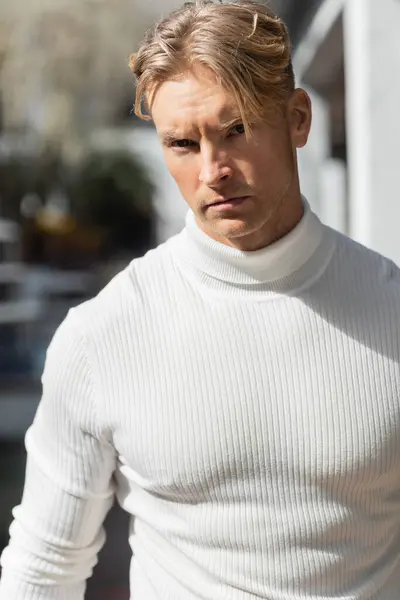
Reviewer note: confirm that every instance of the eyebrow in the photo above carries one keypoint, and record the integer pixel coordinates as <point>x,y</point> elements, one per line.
<point>172,135</point>
<point>169,136</point>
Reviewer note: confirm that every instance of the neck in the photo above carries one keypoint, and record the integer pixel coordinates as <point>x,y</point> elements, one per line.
<point>283,218</point>
<point>284,266</point>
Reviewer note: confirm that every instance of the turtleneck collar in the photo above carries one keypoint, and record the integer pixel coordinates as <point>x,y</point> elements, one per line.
<point>273,268</point>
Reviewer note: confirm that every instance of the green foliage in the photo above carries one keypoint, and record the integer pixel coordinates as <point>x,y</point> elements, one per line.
<point>16,180</point>
<point>111,190</point>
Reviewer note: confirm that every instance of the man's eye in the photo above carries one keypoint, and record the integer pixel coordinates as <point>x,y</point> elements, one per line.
<point>182,143</point>
<point>238,129</point>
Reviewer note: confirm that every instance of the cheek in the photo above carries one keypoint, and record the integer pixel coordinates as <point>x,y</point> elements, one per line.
<point>271,163</point>
<point>254,168</point>
<point>184,171</point>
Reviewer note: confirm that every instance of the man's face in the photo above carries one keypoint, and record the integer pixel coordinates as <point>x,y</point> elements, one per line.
<point>235,186</point>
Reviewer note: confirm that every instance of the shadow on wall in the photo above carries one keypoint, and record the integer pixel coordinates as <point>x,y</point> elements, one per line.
<point>110,580</point>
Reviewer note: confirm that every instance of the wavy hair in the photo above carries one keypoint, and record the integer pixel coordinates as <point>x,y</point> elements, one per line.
<point>243,43</point>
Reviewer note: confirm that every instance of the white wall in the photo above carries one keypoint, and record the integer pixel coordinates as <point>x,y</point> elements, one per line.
<point>372,61</point>
<point>369,193</point>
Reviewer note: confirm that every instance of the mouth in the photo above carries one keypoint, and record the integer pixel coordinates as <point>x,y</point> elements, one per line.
<point>228,203</point>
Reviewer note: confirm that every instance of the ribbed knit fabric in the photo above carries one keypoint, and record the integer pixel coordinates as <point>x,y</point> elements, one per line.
<point>244,407</point>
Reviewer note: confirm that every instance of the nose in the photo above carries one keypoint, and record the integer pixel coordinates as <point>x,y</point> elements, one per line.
<point>214,168</point>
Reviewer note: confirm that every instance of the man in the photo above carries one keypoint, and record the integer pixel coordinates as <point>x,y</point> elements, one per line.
<point>238,387</point>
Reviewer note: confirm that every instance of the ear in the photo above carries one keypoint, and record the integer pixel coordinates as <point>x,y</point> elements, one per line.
<point>299,116</point>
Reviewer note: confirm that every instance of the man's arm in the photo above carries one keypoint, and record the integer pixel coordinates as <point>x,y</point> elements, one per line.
<point>57,530</point>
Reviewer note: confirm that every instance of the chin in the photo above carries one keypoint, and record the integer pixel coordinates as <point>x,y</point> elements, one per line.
<point>234,228</point>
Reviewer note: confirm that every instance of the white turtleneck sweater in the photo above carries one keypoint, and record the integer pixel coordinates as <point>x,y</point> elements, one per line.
<point>243,407</point>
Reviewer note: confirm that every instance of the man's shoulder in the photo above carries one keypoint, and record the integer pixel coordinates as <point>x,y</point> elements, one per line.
<point>360,267</point>
<point>129,292</point>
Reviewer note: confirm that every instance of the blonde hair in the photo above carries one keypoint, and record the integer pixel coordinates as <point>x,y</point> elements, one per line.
<point>243,43</point>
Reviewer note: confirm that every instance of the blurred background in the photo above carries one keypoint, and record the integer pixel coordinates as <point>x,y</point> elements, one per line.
<point>83,187</point>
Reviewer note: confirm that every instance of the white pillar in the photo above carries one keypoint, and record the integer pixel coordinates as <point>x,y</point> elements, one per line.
<point>312,157</point>
<point>334,194</point>
<point>372,63</point>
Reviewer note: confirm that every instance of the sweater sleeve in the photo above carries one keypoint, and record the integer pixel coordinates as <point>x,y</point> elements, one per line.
<point>57,530</point>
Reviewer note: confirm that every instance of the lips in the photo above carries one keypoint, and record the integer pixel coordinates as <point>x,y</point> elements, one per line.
<point>233,200</point>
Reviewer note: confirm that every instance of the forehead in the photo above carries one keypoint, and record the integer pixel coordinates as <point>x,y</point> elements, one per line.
<point>195,100</point>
